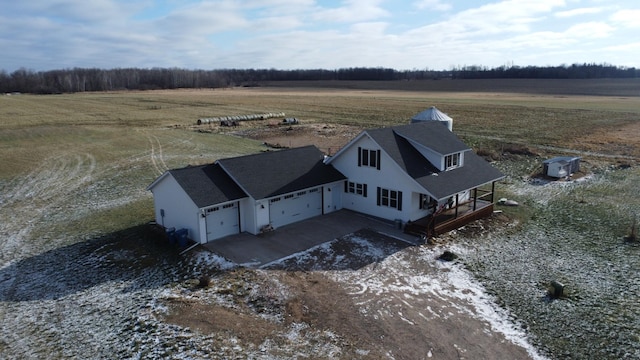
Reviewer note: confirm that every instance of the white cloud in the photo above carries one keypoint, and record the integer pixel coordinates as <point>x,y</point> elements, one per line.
<point>578,12</point>
<point>311,34</point>
<point>436,5</point>
<point>202,19</point>
<point>377,28</point>
<point>352,11</point>
<point>505,17</point>
<point>589,30</point>
<point>627,18</point>
<point>633,47</point>
<point>79,11</point>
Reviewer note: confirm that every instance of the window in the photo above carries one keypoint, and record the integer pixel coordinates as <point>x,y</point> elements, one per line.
<point>275,199</point>
<point>390,198</point>
<point>452,161</point>
<point>368,157</point>
<point>288,196</point>
<point>226,206</point>
<point>355,188</point>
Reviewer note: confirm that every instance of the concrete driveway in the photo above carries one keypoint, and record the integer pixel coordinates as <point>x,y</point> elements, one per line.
<point>259,250</point>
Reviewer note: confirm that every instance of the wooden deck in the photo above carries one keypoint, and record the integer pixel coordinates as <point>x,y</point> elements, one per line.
<point>448,220</point>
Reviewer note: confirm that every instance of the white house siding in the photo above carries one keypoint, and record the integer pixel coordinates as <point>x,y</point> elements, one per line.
<point>179,210</point>
<point>260,216</point>
<point>332,197</point>
<point>390,177</point>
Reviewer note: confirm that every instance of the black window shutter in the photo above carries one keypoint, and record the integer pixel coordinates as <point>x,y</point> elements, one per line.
<point>364,189</point>
<point>378,160</point>
<point>359,156</point>
<point>346,186</point>
<point>379,191</point>
<point>400,200</point>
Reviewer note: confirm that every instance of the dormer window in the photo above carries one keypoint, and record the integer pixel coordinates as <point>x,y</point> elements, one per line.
<point>368,157</point>
<point>452,161</point>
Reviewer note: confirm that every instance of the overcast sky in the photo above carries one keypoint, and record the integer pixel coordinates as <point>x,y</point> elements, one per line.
<point>310,34</point>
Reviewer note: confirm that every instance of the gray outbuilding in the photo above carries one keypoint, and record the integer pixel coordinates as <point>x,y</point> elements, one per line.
<point>561,166</point>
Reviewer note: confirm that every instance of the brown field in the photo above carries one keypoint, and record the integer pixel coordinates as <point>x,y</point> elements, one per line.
<point>557,87</point>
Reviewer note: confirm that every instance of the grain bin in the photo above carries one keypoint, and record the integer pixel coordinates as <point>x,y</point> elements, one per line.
<point>433,114</point>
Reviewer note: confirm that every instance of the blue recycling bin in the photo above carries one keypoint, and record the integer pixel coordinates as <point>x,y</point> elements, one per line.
<point>171,235</point>
<point>182,237</point>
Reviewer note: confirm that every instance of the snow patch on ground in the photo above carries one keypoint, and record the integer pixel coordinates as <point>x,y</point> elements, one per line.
<point>449,282</point>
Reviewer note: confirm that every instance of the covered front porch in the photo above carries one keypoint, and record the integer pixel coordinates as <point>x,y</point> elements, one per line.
<point>479,206</point>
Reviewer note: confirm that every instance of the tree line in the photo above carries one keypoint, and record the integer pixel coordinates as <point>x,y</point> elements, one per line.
<point>91,79</point>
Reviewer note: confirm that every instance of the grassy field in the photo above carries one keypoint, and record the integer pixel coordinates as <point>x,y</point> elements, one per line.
<point>75,167</point>
<point>121,121</point>
<point>107,147</point>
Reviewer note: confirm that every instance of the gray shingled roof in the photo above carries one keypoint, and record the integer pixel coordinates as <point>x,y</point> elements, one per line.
<point>207,184</point>
<point>431,134</point>
<point>475,172</point>
<point>440,184</point>
<point>270,174</point>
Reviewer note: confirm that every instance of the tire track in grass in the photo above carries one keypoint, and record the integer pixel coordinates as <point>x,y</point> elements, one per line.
<point>62,187</point>
<point>160,156</point>
<point>29,200</point>
<point>66,186</point>
<point>50,179</point>
<point>155,159</point>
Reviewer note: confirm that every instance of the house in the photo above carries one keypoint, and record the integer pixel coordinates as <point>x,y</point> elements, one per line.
<point>419,174</point>
<point>246,193</point>
<point>561,166</point>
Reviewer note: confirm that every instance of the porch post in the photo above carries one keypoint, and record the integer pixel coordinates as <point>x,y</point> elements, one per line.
<point>457,206</point>
<point>493,190</point>
<point>475,198</point>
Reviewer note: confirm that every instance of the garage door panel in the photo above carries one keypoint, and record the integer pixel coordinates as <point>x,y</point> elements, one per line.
<point>295,207</point>
<point>222,221</point>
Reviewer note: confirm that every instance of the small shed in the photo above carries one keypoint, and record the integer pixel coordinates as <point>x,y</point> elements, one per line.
<point>561,166</point>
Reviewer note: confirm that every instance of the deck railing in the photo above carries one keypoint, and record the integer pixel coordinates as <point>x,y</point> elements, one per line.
<point>450,219</point>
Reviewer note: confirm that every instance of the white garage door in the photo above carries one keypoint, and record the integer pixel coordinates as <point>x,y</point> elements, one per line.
<point>295,207</point>
<point>222,221</point>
